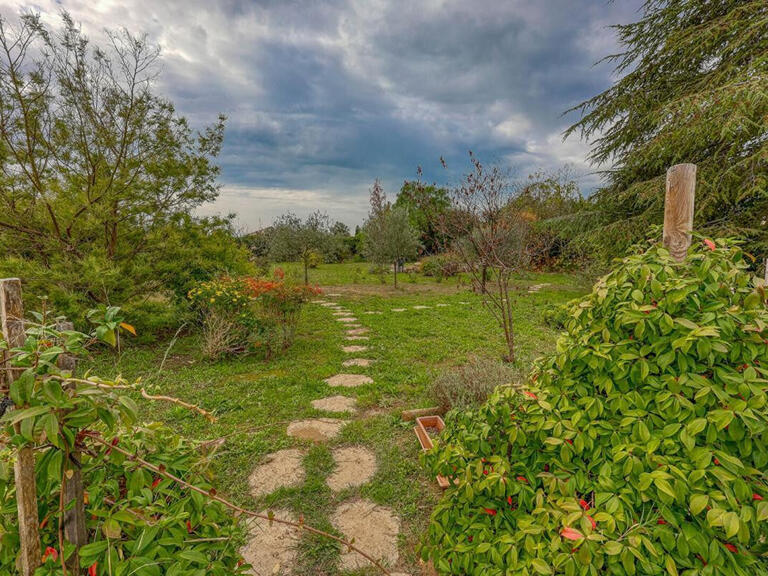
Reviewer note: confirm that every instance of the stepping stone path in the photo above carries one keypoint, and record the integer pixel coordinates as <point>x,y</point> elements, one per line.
<point>280,469</point>
<point>316,430</point>
<point>364,362</point>
<point>420,307</point>
<point>355,465</point>
<point>357,331</point>
<point>336,404</point>
<point>441,305</point>
<point>271,549</point>
<point>348,380</point>
<point>352,349</point>
<point>374,529</point>
<point>537,287</point>
<point>373,312</point>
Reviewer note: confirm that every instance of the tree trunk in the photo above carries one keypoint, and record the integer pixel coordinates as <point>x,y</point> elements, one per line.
<point>395,273</point>
<point>483,279</point>
<point>306,270</point>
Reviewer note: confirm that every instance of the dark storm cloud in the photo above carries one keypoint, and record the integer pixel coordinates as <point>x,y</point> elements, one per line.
<point>323,97</point>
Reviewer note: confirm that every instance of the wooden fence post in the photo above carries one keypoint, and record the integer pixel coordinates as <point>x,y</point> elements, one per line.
<point>72,481</point>
<point>678,209</point>
<point>12,319</point>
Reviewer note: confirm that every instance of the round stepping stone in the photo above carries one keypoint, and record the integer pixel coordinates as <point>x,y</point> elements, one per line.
<point>336,404</point>
<point>441,305</point>
<point>348,380</point>
<point>398,309</point>
<point>373,312</point>
<point>333,295</point>
<point>329,304</point>
<point>352,349</point>
<point>322,302</point>
<point>272,549</point>
<point>357,331</point>
<point>364,362</point>
<point>374,529</point>
<point>355,465</point>
<point>420,307</point>
<point>462,302</point>
<point>315,429</point>
<point>346,319</point>
<point>280,469</point>
<point>352,338</point>
<point>342,313</point>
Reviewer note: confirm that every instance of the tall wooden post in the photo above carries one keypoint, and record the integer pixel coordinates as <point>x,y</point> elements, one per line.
<point>678,209</point>
<point>12,319</point>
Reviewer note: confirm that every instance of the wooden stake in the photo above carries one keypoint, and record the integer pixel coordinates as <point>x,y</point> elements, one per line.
<point>678,209</point>
<point>12,319</point>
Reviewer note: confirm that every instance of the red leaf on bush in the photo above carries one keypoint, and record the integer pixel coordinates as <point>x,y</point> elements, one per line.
<point>661,521</point>
<point>523,479</point>
<point>584,504</point>
<point>709,243</point>
<point>509,500</point>
<point>485,472</point>
<point>530,394</point>
<point>756,497</point>
<point>571,534</point>
<point>189,527</point>
<point>593,521</point>
<point>732,548</point>
<point>50,553</point>
<point>155,482</point>
<point>717,462</point>
<point>92,569</point>
<point>490,511</point>
<point>569,441</point>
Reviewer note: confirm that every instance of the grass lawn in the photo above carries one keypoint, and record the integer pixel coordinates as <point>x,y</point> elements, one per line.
<point>254,400</point>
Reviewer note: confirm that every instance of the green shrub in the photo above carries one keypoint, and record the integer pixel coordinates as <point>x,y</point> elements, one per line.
<point>555,316</point>
<point>639,447</point>
<point>441,265</point>
<point>138,521</point>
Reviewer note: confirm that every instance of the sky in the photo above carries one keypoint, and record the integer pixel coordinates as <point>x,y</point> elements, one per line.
<point>322,97</point>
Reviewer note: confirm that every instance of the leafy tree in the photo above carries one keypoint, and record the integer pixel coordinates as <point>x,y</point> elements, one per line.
<point>425,204</point>
<point>294,239</point>
<point>693,88</point>
<point>389,236</point>
<point>637,447</point>
<point>97,172</point>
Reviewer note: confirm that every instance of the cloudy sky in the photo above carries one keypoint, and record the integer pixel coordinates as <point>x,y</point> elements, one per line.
<point>324,96</point>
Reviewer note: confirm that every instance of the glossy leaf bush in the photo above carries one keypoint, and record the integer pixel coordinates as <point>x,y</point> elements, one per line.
<point>138,521</point>
<point>638,447</point>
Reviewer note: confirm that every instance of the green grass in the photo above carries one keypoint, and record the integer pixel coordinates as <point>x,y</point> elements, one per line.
<point>254,400</point>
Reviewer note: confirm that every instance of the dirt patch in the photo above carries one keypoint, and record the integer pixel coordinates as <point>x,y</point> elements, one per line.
<point>271,549</point>
<point>348,380</point>
<point>351,349</point>
<point>374,529</point>
<point>355,465</point>
<point>346,319</point>
<point>364,362</point>
<point>352,338</point>
<point>280,469</point>
<point>357,331</point>
<point>316,429</point>
<point>336,404</point>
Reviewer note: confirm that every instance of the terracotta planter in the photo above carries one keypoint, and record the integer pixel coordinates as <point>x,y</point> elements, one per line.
<point>422,424</point>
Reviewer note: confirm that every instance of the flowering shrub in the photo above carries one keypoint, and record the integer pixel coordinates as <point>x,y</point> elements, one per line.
<point>136,521</point>
<point>638,447</point>
<point>244,314</point>
<point>280,305</point>
<point>226,315</point>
